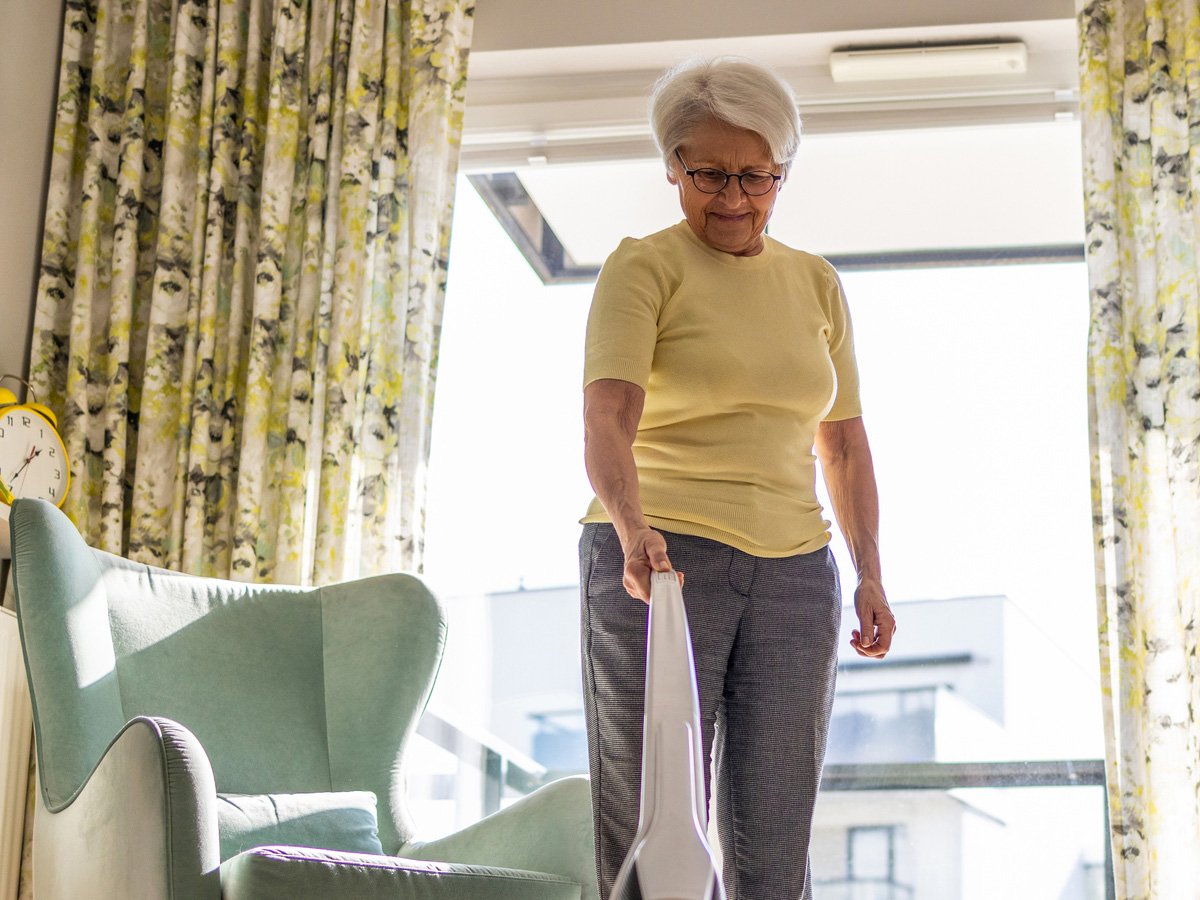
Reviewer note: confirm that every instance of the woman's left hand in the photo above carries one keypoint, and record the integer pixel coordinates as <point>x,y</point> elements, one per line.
<point>850,476</point>
<point>873,638</point>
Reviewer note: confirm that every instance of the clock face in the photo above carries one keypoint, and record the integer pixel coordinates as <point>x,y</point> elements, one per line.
<point>33,460</point>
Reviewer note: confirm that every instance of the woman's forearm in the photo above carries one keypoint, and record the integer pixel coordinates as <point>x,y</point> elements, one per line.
<point>611,469</point>
<point>850,477</point>
<point>856,506</point>
<point>612,410</point>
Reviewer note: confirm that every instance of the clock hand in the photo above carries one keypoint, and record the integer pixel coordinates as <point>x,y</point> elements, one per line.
<point>34,452</point>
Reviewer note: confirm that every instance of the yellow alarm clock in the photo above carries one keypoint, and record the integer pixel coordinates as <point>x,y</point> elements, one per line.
<point>33,459</point>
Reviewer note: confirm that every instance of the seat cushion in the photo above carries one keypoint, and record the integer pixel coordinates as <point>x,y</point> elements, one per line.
<point>297,873</point>
<point>336,820</point>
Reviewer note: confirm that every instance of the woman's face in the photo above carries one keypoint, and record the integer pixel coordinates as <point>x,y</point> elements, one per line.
<point>732,220</point>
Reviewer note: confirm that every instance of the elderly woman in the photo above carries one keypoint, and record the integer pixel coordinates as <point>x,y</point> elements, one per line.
<point>717,360</point>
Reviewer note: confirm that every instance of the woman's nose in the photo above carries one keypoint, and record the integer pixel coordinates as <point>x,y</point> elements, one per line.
<point>733,188</point>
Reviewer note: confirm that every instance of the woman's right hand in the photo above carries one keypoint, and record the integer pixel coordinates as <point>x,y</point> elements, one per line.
<point>645,552</point>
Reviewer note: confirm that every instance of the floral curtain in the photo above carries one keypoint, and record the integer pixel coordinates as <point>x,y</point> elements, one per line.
<point>1140,83</point>
<point>243,274</point>
<point>242,278</point>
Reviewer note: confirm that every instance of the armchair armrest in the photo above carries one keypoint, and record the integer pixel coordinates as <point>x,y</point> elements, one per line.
<point>142,827</point>
<point>548,831</point>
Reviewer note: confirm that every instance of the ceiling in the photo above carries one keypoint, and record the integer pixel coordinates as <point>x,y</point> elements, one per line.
<point>503,25</point>
<point>985,161</point>
<point>583,100</point>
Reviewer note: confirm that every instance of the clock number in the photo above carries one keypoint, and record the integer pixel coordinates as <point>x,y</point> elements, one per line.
<point>58,474</point>
<point>52,493</point>
<point>26,421</point>
<point>53,450</point>
<point>1,432</point>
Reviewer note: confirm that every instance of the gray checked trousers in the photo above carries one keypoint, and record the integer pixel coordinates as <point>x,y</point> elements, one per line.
<point>764,635</point>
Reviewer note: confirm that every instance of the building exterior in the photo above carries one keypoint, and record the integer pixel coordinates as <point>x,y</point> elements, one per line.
<point>972,679</point>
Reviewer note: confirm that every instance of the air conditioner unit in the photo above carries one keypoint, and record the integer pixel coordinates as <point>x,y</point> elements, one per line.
<point>929,61</point>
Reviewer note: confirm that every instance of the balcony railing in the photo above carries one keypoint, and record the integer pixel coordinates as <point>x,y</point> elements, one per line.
<point>467,771</point>
<point>485,774</point>
<point>947,776</point>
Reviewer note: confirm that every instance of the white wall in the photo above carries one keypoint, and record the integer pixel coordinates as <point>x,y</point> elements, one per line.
<point>29,51</point>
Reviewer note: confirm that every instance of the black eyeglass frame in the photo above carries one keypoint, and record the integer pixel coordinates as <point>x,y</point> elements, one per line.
<point>691,173</point>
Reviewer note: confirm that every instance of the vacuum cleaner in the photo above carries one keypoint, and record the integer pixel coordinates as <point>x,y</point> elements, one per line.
<point>670,858</point>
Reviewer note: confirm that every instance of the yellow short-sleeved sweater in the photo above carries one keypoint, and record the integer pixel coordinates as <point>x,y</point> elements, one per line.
<point>741,359</point>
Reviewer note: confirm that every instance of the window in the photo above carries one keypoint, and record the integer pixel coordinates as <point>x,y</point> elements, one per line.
<point>975,402</point>
<point>871,853</point>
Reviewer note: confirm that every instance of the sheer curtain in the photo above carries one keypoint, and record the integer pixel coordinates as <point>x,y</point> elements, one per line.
<point>1140,81</point>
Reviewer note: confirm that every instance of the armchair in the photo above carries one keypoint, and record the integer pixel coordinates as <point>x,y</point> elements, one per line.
<point>201,739</point>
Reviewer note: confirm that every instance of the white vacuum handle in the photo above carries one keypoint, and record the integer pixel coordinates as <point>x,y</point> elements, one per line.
<point>670,856</point>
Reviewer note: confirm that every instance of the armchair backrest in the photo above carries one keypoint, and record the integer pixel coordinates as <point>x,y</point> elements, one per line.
<point>289,690</point>
<point>62,609</point>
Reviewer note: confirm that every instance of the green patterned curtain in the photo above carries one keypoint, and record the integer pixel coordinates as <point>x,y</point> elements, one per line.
<point>243,275</point>
<point>1140,81</point>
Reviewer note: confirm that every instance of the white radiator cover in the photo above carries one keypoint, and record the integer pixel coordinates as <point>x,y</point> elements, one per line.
<point>16,728</point>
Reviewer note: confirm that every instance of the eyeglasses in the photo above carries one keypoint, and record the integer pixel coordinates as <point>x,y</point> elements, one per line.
<point>713,181</point>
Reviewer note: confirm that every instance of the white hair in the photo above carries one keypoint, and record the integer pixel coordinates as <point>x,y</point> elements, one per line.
<point>735,90</point>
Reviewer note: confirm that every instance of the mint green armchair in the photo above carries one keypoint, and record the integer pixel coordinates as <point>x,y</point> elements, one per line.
<point>200,739</point>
